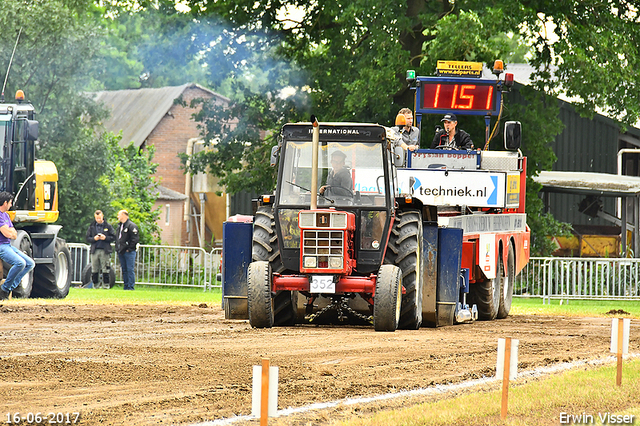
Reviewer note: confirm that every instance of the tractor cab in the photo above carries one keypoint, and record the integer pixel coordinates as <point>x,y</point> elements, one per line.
<point>353,175</point>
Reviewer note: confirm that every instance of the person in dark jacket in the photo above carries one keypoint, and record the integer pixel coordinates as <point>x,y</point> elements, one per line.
<point>127,238</point>
<point>100,235</point>
<point>450,137</point>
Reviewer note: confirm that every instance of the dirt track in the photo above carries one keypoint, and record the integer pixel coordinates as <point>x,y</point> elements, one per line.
<point>149,365</point>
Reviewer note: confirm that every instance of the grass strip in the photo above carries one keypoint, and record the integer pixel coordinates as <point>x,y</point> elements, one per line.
<point>142,295</point>
<point>581,308</point>
<point>145,294</point>
<point>589,392</point>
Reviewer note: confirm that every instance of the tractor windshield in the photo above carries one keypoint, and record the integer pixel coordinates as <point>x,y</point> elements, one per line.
<point>348,174</point>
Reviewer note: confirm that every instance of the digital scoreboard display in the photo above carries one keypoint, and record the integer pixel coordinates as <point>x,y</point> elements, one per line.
<point>456,96</point>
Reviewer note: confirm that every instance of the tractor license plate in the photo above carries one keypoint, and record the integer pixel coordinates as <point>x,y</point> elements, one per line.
<point>322,284</point>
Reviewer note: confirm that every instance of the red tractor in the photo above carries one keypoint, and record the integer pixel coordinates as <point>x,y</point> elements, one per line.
<point>351,236</point>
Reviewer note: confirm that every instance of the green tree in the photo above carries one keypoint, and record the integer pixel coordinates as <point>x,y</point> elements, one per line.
<point>354,56</point>
<point>132,187</point>
<point>151,44</point>
<point>51,63</point>
<point>60,43</point>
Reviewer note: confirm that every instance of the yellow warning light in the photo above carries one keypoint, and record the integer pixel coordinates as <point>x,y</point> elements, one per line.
<point>401,120</point>
<point>498,67</point>
<point>266,198</point>
<point>19,95</point>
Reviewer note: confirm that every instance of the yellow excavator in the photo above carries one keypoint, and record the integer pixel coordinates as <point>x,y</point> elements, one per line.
<point>34,184</point>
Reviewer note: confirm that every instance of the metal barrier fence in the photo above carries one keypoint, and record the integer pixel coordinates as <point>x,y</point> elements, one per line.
<point>579,278</point>
<point>545,277</point>
<point>160,265</point>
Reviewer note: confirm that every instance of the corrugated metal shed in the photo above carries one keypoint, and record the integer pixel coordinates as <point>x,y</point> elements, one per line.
<point>605,184</point>
<point>137,112</point>
<point>585,145</point>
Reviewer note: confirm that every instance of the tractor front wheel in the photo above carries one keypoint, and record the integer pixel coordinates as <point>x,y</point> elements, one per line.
<point>387,299</point>
<point>259,301</point>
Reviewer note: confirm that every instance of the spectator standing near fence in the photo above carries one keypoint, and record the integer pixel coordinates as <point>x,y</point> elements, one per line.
<point>100,235</point>
<point>20,263</point>
<point>127,238</point>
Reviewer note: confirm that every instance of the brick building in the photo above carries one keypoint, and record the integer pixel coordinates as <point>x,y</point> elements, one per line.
<point>152,117</point>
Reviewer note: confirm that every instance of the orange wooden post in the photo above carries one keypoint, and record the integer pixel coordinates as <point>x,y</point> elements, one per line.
<point>264,401</point>
<point>620,343</point>
<point>505,377</point>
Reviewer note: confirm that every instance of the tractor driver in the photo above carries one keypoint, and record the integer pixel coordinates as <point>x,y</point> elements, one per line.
<point>339,180</point>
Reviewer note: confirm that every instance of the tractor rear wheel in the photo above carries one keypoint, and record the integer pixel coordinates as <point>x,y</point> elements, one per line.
<point>387,299</point>
<point>486,295</point>
<point>23,243</point>
<point>259,295</point>
<point>54,279</point>
<point>265,248</point>
<point>507,281</point>
<point>405,251</point>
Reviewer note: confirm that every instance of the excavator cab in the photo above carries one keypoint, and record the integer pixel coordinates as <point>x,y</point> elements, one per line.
<point>19,132</point>
<point>34,184</point>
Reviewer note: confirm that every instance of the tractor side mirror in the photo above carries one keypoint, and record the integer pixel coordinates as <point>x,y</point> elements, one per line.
<point>31,130</point>
<point>512,135</point>
<point>274,155</point>
<point>398,156</point>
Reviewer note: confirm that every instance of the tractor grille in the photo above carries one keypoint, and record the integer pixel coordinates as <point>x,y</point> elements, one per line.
<point>326,247</point>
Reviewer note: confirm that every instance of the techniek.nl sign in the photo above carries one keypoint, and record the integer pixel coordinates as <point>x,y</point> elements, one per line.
<point>454,188</point>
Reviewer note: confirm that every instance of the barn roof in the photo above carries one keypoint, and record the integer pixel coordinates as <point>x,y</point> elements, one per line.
<point>168,194</point>
<point>138,111</point>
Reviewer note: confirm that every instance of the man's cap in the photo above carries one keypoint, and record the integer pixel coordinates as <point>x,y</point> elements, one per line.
<point>449,117</point>
<point>339,154</point>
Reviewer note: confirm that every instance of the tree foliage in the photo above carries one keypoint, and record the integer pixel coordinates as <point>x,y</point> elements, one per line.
<point>354,56</point>
<point>586,49</point>
<point>55,61</point>
<point>131,186</point>
<point>342,61</point>
<point>150,44</point>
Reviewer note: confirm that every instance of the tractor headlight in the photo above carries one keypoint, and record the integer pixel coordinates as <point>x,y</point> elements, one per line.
<point>335,263</point>
<point>339,220</point>
<point>307,219</point>
<point>310,262</point>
